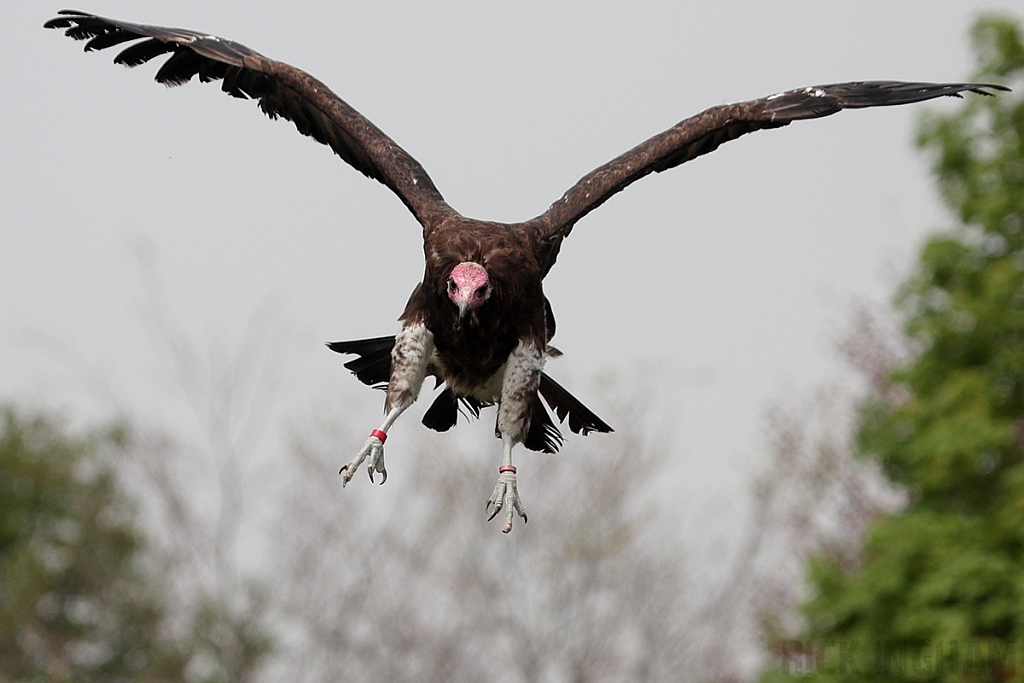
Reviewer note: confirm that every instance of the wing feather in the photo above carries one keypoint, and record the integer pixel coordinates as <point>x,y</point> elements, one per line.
<point>704,132</point>
<point>140,53</point>
<point>282,91</point>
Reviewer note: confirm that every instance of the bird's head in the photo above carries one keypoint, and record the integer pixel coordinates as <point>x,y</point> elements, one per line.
<point>468,287</point>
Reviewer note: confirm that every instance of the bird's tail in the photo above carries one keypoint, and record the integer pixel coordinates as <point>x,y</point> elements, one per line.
<point>373,368</point>
<point>581,419</point>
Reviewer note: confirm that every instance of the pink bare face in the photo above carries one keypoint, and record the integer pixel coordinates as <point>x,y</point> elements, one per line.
<point>468,286</point>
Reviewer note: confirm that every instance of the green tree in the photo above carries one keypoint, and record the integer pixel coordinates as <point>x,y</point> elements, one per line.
<point>75,604</point>
<point>938,592</point>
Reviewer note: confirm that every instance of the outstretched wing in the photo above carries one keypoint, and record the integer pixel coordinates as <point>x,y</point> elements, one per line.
<point>282,91</point>
<point>704,132</point>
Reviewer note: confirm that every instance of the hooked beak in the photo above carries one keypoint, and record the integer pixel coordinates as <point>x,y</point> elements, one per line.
<point>463,309</point>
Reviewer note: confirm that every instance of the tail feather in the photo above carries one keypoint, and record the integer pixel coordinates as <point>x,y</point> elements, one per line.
<point>543,435</point>
<point>363,346</point>
<point>444,411</point>
<point>581,419</point>
<point>373,368</point>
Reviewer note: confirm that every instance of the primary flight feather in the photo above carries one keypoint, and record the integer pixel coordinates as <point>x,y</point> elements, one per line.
<point>479,321</point>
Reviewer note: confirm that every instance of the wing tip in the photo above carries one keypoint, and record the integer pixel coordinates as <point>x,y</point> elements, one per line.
<point>65,17</point>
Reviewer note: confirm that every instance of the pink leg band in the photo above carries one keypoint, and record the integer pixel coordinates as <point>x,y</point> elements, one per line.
<point>506,468</point>
<point>380,435</point>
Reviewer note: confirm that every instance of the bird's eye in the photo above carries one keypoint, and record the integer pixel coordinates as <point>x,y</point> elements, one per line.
<point>451,285</point>
<point>482,291</point>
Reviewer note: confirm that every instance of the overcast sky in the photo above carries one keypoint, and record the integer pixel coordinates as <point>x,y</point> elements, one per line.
<point>727,276</point>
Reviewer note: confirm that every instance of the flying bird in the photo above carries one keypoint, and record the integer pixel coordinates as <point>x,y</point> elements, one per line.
<point>479,322</point>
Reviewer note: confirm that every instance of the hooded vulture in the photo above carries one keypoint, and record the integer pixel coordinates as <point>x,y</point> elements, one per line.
<point>479,322</point>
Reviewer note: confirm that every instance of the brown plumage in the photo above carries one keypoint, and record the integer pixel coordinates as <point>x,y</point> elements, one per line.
<point>479,321</point>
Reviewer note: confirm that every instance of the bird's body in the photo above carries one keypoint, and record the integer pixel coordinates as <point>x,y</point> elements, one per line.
<point>479,321</point>
<point>473,349</point>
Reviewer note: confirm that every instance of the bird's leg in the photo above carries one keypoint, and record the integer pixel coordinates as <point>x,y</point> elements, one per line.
<point>414,346</point>
<point>373,449</point>
<point>506,494</point>
<point>518,388</point>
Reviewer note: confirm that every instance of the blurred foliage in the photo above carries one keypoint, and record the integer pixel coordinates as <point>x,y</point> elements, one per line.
<point>75,604</point>
<point>938,594</point>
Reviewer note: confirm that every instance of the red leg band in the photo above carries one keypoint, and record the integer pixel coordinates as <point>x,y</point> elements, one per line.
<point>380,435</point>
<point>506,468</point>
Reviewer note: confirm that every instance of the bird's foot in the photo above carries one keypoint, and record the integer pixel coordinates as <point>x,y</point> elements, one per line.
<point>372,450</point>
<point>506,497</point>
